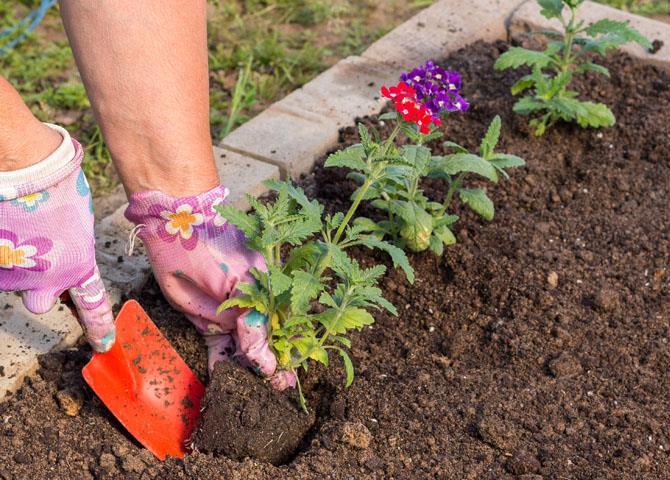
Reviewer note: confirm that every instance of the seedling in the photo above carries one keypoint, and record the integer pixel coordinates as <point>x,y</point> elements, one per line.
<point>416,223</point>
<point>566,55</point>
<point>311,312</point>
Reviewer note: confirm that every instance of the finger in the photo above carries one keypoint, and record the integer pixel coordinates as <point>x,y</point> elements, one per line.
<point>283,379</point>
<point>95,312</point>
<point>219,349</point>
<point>39,301</point>
<point>252,334</point>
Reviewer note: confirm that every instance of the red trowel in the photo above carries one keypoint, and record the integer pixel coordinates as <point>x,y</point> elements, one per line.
<point>146,384</point>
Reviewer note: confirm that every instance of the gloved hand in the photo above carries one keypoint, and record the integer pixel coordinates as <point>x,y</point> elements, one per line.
<point>198,259</point>
<point>47,241</point>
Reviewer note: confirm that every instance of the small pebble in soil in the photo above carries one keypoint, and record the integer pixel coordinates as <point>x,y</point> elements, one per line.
<point>70,401</point>
<point>356,434</point>
<point>606,299</point>
<point>552,279</point>
<point>565,365</point>
<point>107,462</point>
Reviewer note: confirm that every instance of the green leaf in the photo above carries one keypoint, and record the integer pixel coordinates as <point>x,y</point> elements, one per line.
<point>593,67</point>
<point>309,346</point>
<point>417,156</point>
<point>527,105</point>
<point>343,340</point>
<point>397,255</point>
<point>351,157</point>
<point>618,32</point>
<point>455,146</point>
<point>551,8</point>
<point>339,321</point>
<point>305,288</point>
<point>367,225</point>
<point>364,135</point>
<point>242,301</point>
<point>524,83</point>
<point>491,138</point>
<point>348,367</point>
<point>478,201</point>
<point>246,222</point>
<point>516,57</point>
<point>501,161</point>
<point>467,162</point>
<point>436,245</point>
<point>388,116</point>
<point>445,235</point>
<point>280,282</point>
<point>595,115</point>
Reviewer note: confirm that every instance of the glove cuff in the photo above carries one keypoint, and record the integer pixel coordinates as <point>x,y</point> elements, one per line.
<point>46,173</point>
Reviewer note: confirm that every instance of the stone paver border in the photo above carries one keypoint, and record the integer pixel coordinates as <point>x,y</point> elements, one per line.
<point>287,138</point>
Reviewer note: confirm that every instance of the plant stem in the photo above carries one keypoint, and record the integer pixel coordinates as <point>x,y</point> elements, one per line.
<point>455,185</point>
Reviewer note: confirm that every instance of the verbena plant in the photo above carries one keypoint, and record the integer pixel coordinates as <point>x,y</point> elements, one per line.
<point>318,293</point>
<point>414,222</point>
<point>549,97</point>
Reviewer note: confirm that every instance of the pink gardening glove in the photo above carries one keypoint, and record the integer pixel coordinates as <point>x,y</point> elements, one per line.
<point>47,241</point>
<point>198,259</point>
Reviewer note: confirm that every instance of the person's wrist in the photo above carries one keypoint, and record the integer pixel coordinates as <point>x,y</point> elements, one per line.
<point>26,145</point>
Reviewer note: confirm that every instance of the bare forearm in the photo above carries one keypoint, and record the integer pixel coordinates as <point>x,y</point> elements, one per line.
<point>144,65</point>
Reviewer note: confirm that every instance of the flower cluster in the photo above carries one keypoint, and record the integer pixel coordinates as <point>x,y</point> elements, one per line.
<point>425,94</point>
<point>407,104</point>
<point>436,88</point>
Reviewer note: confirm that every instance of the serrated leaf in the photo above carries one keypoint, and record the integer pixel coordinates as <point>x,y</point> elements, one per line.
<point>352,157</point>
<point>467,162</point>
<point>478,201</point>
<point>593,67</point>
<point>618,32</point>
<point>367,225</point>
<point>491,138</point>
<point>388,116</point>
<point>397,255</point>
<point>305,288</point>
<point>417,156</point>
<point>280,281</point>
<point>364,135</point>
<point>516,57</point>
<point>551,8</point>
<point>339,321</point>
<point>524,83</point>
<point>242,301</point>
<point>528,105</point>
<point>309,347</point>
<point>246,222</point>
<point>595,115</point>
<point>343,340</point>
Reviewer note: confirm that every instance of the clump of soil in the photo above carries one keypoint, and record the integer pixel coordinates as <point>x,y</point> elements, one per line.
<point>245,417</point>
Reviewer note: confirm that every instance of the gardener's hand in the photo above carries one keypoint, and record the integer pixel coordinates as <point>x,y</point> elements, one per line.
<point>198,259</point>
<point>47,241</point>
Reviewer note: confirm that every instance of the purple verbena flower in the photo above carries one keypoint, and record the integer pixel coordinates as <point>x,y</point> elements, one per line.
<point>438,89</point>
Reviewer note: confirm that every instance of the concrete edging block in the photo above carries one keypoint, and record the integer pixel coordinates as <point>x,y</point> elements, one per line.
<point>292,140</point>
<point>528,19</point>
<point>441,28</point>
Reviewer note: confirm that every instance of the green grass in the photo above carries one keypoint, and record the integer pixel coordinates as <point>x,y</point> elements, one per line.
<point>276,45</point>
<point>641,7</point>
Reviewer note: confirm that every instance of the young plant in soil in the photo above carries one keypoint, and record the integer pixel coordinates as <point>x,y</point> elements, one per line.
<point>414,222</point>
<point>566,55</point>
<point>317,294</point>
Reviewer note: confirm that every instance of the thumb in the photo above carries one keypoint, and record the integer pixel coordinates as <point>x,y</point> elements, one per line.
<point>95,312</point>
<point>39,301</point>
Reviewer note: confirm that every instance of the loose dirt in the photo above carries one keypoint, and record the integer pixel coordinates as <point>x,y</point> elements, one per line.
<point>536,348</point>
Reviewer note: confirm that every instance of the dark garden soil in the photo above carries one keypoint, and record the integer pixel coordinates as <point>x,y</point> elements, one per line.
<point>536,348</point>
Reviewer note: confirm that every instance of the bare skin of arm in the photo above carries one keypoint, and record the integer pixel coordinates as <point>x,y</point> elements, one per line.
<point>24,140</point>
<point>144,65</point>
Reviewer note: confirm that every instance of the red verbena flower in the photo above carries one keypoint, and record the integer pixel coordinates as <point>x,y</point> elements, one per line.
<point>410,109</point>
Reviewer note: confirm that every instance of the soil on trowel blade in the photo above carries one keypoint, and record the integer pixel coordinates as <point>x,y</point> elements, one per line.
<point>244,417</point>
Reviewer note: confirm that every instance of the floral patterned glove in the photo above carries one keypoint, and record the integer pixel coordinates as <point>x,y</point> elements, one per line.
<point>47,242</point>
<point>198,259</point>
